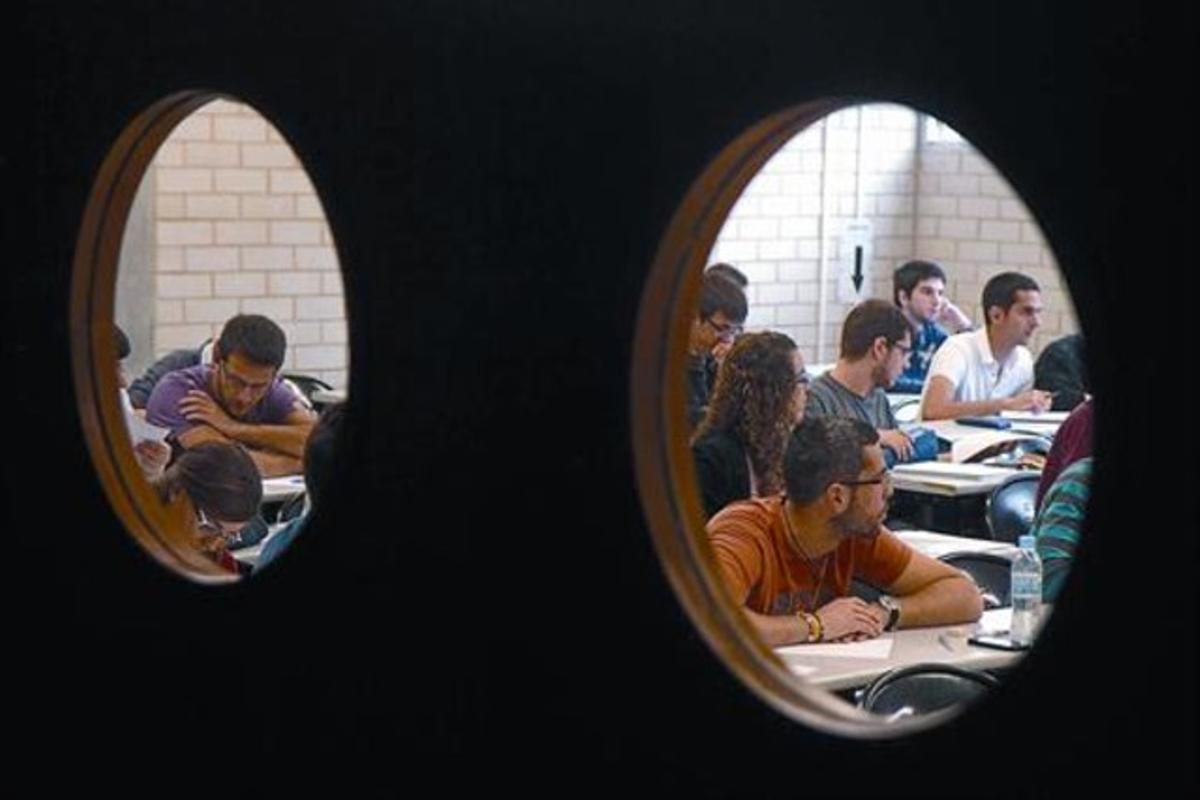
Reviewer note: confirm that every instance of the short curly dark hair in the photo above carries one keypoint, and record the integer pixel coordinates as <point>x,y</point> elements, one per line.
<point>824,450</point>
<point>256,337</point>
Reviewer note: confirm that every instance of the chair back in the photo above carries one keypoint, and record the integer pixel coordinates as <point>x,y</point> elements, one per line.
<point>907,410</point>
<point>991,573</point>
<point>307,384</point>
<point>922,688</point>
<point>1011,507</point>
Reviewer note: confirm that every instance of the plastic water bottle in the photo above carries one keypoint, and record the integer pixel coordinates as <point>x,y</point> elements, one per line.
<point>1026,591</point>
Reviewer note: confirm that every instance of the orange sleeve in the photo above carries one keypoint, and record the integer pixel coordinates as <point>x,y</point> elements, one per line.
<point>881,560</point>
<point>738,553</point>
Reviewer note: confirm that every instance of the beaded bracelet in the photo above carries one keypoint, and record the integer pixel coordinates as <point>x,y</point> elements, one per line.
<point>813,623</point>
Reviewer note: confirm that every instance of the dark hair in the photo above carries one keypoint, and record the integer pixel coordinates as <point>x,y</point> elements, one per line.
<point>718,293</point>
<point>256,337</point>
<point>122,342</point>
<point>753,397</point>
<point>908,275</point>
<point>824,450</point>
<point>1002,290</point>
<point>869,320</point>
<point>730,272</point>
<point>318,449</point>
<point>219,477</point>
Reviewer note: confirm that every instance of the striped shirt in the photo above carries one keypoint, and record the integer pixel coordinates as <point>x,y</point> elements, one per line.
<point>1059,523</point>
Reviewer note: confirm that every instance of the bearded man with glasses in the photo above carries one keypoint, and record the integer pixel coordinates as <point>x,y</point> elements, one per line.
<point>875,348</point>
<point>789,560</point>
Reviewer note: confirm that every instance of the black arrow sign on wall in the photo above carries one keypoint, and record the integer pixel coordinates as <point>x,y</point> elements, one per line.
<point>857,277</point>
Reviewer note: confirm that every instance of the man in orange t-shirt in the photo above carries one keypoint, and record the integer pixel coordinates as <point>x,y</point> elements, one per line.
<point>789,559</point>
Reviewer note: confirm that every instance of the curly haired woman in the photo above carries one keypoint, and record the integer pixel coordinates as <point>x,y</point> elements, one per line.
<point>759,396</point>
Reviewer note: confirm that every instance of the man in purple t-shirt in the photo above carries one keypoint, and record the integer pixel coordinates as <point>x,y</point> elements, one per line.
<point>238,397</point>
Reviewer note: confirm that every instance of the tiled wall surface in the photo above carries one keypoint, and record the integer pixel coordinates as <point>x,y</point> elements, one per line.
<point>939,201</point>
<point>238,228</point>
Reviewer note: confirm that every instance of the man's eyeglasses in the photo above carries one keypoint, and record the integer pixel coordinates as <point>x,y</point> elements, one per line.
<point>883,477</point>
<point>239,384</point>
<point>726,330</point>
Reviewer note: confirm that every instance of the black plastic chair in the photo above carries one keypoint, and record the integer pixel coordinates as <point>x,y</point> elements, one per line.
<point>921,688</point>
<point>1011,507</point>
<point>991,573</point>
<point>307,384</point>
<point>292,508</point>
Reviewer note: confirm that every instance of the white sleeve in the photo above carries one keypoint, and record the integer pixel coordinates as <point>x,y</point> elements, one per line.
<point>1024,370</point>
<point>950,361</point>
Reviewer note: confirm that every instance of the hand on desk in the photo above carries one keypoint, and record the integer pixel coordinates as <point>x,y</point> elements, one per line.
<point>899,442</point>
<point>849,619</point>
<point>1034,400</point>
<point>152,457</point>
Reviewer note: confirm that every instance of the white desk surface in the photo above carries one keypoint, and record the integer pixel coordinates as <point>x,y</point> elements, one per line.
<point>329,395</point>
<point>942,645</point>
<point>936,545</point>
<point>948,479</point>
<point>282,488</point>
<point>945,644</point>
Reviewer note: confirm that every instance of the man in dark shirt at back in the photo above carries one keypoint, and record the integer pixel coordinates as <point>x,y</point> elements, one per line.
<point>719,319</point>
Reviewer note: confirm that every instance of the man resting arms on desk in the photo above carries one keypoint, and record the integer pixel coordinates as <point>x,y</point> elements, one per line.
<point>789,559</point>
<point>989,370</point>
<point>238,397</point>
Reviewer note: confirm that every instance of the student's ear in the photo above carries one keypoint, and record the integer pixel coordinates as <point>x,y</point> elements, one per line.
<point>837,495</point>
<point>879,347</point>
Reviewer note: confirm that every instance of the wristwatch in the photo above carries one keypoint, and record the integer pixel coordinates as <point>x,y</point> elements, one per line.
<point>893,608</point>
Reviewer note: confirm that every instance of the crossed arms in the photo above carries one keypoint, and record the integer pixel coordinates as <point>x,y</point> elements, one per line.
<point>275,449</point>
<point>929,593</point>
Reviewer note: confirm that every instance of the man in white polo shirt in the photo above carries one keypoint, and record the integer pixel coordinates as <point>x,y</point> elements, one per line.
<point>989,370</point>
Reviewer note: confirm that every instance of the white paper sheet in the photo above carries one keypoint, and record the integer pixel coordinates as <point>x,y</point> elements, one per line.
<point>139,429</point>
<point>878,649</point>
<point>995,620</point>
<point>1056,417</point>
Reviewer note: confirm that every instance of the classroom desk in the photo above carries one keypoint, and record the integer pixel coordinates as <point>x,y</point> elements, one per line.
<point>948,479</point>
<point>945,644</point>
<point>284,487</point>
<point>944,496</point>
<point>936,545</point>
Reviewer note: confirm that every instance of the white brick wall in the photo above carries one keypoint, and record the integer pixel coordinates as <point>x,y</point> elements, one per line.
<point>239,229</point>
<point>943,202</point>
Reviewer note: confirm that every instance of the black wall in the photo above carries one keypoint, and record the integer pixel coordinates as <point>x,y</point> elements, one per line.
<point>480,599</point>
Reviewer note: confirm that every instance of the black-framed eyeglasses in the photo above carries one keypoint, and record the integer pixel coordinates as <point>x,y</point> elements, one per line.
<point>883,477</point>
<point>906,349</point>
<point>727,330</point>
<point>240,384</point>
<point>803,379</point>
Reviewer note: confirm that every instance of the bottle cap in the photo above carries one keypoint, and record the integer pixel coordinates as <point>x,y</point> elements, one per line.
<point>1027,542</point>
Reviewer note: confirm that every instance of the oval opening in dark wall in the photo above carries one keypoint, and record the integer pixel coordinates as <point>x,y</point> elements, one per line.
<point>839,536</point>
<point>209,335</point>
